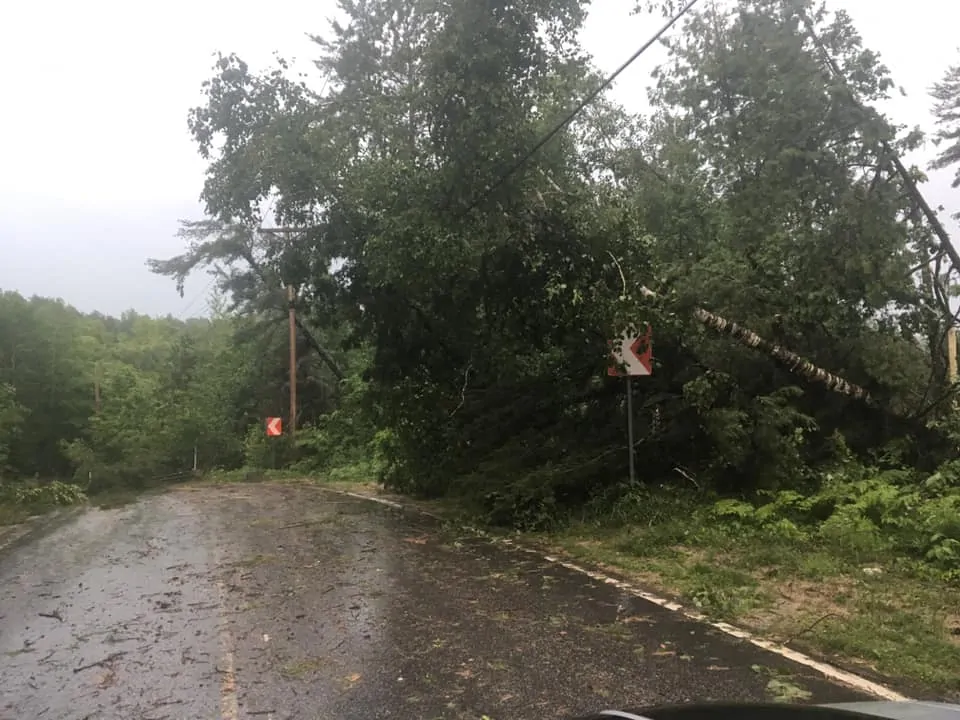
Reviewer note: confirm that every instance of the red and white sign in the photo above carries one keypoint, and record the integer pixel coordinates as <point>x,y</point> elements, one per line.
<point>632,354</point>
<point>274,427</point>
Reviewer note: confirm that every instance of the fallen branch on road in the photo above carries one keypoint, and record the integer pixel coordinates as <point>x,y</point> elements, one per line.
<point>303,523</point>
<point>100,663</point>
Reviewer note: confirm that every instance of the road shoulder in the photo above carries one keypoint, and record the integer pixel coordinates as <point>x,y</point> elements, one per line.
<point>594,557</point>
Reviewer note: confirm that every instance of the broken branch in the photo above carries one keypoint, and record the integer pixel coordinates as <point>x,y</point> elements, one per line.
<point>100,663</point>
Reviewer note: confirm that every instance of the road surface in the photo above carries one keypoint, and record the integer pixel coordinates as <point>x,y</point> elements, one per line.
<point>279,601</point>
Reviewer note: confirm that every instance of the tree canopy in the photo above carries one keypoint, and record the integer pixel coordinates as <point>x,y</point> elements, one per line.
<point>455,305</point>
<point>760,191</point>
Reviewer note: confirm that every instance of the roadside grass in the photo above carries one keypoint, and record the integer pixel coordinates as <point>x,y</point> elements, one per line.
<point>882,616</point>
<point>246,475</point>
<point>356,472</point>
<point>21,501</point>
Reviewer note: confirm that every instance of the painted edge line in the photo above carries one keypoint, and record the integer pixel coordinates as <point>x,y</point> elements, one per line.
<point>382,501</point>
<point>842,677</point>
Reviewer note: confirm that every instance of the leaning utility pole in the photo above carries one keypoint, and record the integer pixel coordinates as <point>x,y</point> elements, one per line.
<point>293,360</point>
<point>308,335</point>
<point>946,246</point>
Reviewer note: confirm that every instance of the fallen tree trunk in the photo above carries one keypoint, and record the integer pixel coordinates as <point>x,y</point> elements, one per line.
<point>793,362</point>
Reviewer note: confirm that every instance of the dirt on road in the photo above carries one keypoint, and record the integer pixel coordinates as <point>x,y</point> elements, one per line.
<point>276,601</point>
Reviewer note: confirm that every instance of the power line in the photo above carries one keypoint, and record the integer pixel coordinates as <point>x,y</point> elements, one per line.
<point>945,244</point>
<point>196,297</point>
<point>579,108</point>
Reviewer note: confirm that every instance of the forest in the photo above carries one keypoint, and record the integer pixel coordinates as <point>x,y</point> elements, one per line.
<point>457,281</point>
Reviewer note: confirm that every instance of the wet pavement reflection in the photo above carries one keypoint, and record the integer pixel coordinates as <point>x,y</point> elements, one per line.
<point>280,601</point>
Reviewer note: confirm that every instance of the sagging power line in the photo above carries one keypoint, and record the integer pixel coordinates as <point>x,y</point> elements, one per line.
<point>590,97</point>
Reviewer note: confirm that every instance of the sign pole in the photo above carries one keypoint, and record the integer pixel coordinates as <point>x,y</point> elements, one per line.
<point>633,476</point>
<point>635,355</point>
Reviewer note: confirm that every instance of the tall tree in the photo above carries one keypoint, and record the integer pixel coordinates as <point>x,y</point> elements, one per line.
<point>946,109</point>
<point>486,288</point>
<point>805,240</point>
<point>11,418</point>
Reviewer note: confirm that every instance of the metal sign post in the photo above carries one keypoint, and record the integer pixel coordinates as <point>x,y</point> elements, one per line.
<point>632,356</point>
<point>633,473</point>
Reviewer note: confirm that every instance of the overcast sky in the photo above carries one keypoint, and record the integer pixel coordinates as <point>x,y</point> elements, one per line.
<point>96,165</point>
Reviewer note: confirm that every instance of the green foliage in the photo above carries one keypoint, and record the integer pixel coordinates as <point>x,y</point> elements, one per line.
<point>860,514</point>
<point>868,514</point>
<point>475,323</point>
<point>36,498</point>
<point>167,389</point>
<point>11,420</point>
<point>54,493</point>
<point>47,357</point>
<point>262,452</point>
<point>343,437</point>
<point>946,93</point>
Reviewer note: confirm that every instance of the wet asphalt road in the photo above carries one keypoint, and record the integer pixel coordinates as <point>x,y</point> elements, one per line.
<point>285,601</point>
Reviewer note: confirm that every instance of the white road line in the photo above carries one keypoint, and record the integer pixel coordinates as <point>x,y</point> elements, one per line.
<point>831,672</point>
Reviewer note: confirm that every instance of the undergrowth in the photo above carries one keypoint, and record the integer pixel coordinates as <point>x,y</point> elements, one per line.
<point>861,515</point>
<point>20,501</point>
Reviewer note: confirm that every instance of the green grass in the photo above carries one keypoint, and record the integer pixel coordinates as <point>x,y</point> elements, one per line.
<point>899,623</point>
<point>354,472</point>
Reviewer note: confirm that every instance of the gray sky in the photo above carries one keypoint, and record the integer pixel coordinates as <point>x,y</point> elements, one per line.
<point>98,165</point>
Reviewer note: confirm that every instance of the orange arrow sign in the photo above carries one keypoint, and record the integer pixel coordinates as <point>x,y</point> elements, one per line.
<point>274,426</point>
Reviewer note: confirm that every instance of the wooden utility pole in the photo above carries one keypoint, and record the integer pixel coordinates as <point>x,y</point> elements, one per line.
<point>308,335</point>
<point>293,360</point>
